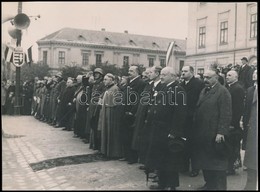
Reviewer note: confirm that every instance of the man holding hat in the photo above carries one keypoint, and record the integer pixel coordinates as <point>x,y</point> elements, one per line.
<point>245,74</point>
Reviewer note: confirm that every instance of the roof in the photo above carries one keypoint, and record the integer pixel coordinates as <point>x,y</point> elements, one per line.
<point>113,39</point>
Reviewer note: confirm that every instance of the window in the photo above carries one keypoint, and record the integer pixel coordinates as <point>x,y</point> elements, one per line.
<point>151,62</point>
<point>44,59</point>
<point>200,71</point>
<point>61,57</point>
<point>224,32</point>
<point>98,59</point>
<point>162,62</point>
<point>181,64</point>
<point>85,59</point>
<point>253,26</point>
<point>202,37</point>
<point>126,61</point>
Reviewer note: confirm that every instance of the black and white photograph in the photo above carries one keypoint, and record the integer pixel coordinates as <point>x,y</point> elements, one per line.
<point>136,96</point>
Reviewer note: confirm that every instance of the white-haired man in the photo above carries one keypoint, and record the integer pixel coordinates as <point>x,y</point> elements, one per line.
<point>165,118</point>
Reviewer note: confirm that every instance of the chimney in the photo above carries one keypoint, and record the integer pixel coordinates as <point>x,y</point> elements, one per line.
<point>126,31</point>
<point>103,29</point>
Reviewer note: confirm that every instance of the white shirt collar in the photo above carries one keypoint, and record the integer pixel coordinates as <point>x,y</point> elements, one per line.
<point>170,83</point>
<point>156,83</point>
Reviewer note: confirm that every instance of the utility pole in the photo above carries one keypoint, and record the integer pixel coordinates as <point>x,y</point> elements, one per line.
<point>17,105</point>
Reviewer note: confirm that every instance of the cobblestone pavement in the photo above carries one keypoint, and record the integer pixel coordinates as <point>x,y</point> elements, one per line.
<point>26,140</point>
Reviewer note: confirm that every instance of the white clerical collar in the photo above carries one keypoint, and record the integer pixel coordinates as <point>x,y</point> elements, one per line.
<point>134,78</point>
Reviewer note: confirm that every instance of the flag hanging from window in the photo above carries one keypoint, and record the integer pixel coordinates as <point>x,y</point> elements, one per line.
<point>169,52</point>
<point>8,54</point>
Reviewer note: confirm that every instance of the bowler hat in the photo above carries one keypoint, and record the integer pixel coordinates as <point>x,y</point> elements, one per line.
<point>223,149</point>
<point>176,145</point>
<point>244,58</point>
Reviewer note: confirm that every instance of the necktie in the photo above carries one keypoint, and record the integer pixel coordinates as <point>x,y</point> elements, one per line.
<point>207,89</point>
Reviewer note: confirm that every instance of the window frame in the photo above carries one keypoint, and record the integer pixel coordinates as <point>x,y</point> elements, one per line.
<point>223,33</point>
<point>202,37</point>
<point>253,24</point>
<point>44,57</point>
<point>61,58</point>
<point>98,55</point>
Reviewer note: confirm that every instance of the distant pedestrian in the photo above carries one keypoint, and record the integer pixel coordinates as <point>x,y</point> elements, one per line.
<point>245,74</point>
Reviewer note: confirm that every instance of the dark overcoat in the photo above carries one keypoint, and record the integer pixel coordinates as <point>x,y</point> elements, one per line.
<point>251,152</point>
<point>245,76</point>
<point>166,116</point>
<point>192,89</point>
<point>212,117</point>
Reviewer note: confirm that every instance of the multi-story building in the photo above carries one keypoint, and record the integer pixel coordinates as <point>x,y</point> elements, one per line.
<point>81,47</point>
<point>222,33</point>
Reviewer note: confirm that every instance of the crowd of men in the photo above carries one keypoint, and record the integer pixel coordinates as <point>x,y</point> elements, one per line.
<point>166,122</point>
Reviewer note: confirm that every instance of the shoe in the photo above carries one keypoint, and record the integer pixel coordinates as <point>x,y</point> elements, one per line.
<point>155,179</point>
<point>154,187</point>
<point>64,129</point>
<point>131,162</point>
<point>203,188</point>
<point>142,167</point>
<point>194,173</point>
<point>57,126</point>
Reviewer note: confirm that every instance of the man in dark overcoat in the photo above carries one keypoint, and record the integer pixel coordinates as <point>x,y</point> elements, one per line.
<point>250,120</point>
<point>245,74</point>
<point>193,87</point>
<point>67,107</point>
<point>235,131</point>
<point>212,120</point>
<point>132,98</point>
<point>166,118</point>
<point>140,137</point>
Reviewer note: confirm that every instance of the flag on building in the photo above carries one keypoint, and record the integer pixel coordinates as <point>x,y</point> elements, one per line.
<point>8,54</point>
<point>28,56</point>
<point>169,53</point>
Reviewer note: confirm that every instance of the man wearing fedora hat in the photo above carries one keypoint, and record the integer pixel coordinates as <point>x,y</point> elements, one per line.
<point>245,74</point>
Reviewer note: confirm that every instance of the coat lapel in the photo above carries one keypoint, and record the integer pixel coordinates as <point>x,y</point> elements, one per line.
<point>204,96</point>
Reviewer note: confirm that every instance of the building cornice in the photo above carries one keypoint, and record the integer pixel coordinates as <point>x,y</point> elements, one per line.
<point>219,52</point>
<point>99,46</point>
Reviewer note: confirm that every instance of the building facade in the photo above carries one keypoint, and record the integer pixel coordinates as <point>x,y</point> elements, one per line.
<point>83,48</point>
<point>222,33</point>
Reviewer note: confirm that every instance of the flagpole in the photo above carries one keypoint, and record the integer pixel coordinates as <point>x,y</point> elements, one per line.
<point>17,105</point>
